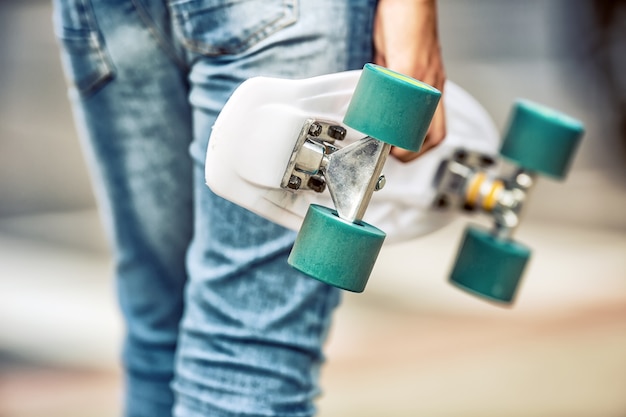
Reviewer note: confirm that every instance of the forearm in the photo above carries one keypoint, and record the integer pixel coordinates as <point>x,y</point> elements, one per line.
<point>406,39</point>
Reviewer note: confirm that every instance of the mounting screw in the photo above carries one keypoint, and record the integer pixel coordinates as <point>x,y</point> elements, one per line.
<point>337,132</point>
<point>294,182</point>
<point>469,207</point>
<point>460,156</point>
<point>317,184</point>
<point>381,183</point>
<point>442,202</point>
<point>487,161</point>
<point>315,129</point>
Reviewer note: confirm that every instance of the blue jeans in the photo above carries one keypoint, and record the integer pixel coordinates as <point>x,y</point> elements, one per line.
<point>217,323</point>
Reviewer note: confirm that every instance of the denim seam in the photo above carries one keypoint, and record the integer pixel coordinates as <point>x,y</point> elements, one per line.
<point>159,36</point>
<point>251,40</point>
<point>105,65</point>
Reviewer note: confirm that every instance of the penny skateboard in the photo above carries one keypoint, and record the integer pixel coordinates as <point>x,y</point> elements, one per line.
<point>311,155</point>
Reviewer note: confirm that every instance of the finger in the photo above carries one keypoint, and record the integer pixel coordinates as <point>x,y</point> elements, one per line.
<point>436,131</point>
<point>403,155</point>
<point>379,59</point>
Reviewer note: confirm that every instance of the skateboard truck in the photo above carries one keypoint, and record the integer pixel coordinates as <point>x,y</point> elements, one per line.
<point>466,181</point>
<point>351,173</point>
<point>539,141</point>
<point>389,109</point>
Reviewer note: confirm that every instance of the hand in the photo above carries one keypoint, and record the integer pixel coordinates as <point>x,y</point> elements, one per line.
<point>406,40</point>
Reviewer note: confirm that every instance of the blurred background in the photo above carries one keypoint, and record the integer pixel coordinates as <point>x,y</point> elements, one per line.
<point>411,344</point>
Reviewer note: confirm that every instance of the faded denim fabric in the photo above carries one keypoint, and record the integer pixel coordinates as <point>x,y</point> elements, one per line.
<point>217,323</point>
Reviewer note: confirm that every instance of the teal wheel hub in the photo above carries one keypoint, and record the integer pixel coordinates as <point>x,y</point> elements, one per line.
<point>488,266</point>
<point>541,139</point>
<point>335,251</point>
<point>392,107</point>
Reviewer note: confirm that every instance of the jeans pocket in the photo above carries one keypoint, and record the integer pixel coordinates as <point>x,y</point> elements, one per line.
<point>225,27</point>
<point>84,57</point>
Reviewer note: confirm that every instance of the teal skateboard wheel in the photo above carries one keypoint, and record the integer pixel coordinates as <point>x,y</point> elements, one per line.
<point>335,251</point>
<point>488,266</point>
<point>541,139</point>
<point>392,107</point>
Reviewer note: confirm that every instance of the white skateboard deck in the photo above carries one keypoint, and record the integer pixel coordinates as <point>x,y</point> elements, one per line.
<point>254,135</point>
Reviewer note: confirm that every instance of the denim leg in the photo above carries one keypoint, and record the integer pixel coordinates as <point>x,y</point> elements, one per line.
<point>130,104</point>
<point>252,334</point>
<point>251,339</point>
